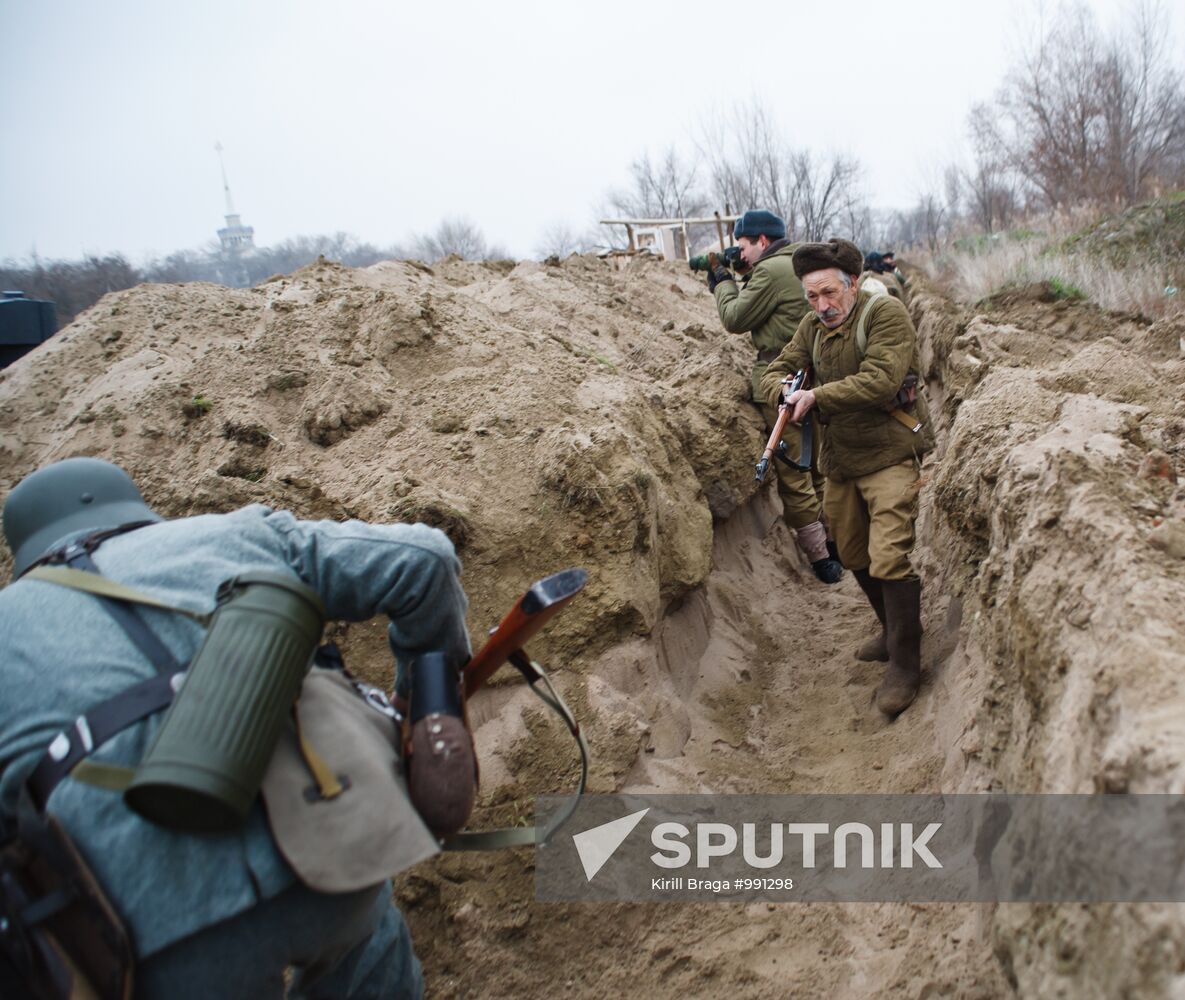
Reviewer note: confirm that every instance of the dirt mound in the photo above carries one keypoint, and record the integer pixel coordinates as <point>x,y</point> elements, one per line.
<point>540,415</point>
<point>1153,232</point>
<point>1059,518</point>
<point>578,414</point>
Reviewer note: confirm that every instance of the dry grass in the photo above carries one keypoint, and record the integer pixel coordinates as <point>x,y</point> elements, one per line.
<point>975,267</point>
<point>1013,263</point>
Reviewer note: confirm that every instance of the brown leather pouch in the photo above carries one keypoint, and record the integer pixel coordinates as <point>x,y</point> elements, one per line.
<point>906,396</point>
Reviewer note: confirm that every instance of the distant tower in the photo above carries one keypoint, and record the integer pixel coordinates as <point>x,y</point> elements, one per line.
<point>235,237</point>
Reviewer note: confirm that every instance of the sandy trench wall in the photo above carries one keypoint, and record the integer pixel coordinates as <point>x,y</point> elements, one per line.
<point>575,414</point>
<point>1059,541</point>
<point>1051,526</point>
<point>542,415</point>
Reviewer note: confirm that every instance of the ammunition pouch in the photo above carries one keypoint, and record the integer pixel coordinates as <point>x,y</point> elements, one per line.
<point>59,935</point>
<point>906,396</point>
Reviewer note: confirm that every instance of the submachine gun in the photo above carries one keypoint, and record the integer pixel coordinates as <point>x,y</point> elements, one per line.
<point>775,446</point>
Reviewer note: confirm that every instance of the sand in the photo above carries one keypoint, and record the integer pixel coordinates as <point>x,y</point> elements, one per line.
<point>592,414</point>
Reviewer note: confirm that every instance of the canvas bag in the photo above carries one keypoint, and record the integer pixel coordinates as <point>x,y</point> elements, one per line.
<point>368,832</point>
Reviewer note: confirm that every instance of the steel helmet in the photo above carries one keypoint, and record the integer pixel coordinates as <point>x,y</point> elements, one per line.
<point>75,495</point>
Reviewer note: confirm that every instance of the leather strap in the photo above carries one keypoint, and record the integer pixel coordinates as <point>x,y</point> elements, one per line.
<point>906,420</point>
<point>329,786</point>
<point>521,836</point>
<point>69,748</point>
<point>92,730</point>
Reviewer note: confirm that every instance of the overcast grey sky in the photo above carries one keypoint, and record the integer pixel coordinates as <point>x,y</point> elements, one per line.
<point>381,118</point>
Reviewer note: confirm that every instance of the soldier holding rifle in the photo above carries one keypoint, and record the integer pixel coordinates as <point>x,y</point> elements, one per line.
<point>863,352</point>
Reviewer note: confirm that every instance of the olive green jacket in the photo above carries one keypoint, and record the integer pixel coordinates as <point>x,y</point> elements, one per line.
<point>851,391</point>
<point>769,305</point>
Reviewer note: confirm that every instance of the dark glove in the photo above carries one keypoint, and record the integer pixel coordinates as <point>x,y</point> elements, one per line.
<point>718,275</point>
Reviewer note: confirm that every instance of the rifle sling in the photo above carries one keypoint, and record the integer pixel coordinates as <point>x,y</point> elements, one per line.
<point>521,836</point>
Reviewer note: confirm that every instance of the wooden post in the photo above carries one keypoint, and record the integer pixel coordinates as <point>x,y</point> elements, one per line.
<point>719,230</point>
<point>629,231</point>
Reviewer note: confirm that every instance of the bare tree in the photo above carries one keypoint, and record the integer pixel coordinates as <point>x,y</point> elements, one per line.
<point>71,285</point>
<point>991,184</point>
<point>824,192</point>
<point>454,236</point>
<point>952,186</point>
<point>932,220</point>
<point>182,265</point>
<point>662,189</point>
<point>1085,118</point>
<point>560,240</point>
<point>753,166</point>
<point>748,162</point>
<point>1143,105</point>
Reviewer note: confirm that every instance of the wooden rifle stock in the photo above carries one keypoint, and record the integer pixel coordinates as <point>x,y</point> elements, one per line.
<point>774,445</point>
<point>775,439</point>
<point>542,601</point>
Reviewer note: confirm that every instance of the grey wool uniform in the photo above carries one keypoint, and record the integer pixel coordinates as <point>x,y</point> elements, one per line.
<point>217,914</point>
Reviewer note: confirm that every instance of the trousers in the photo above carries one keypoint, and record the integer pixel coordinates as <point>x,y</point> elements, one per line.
<point>872,518</point>
<point>350,945</point>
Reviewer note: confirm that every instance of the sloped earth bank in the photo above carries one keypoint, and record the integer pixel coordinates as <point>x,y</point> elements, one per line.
<point>576,414</point>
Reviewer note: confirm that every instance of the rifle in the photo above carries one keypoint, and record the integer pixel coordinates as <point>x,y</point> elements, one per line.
<point>543,600</point>
<point>775,445</point>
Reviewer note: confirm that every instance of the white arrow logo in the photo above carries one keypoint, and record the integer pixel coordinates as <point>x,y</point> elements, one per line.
<point>596,846</point>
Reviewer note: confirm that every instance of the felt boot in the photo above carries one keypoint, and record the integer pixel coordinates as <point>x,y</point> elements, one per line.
<point>903,624</point>
<point>877,647</point>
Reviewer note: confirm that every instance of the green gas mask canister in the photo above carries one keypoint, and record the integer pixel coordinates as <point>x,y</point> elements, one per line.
<point>204,769</point>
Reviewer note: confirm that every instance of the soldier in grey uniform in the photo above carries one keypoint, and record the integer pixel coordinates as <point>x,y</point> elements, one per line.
<point>214,914</point>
